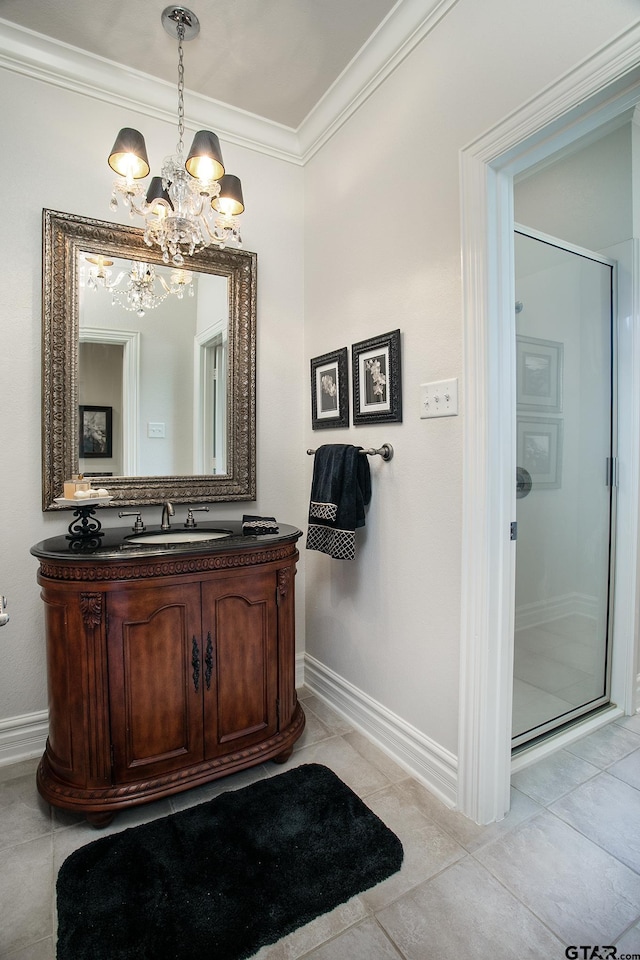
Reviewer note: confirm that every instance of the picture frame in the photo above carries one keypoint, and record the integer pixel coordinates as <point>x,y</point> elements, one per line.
<point>377,379</point>
<point>539,375</point>
<point>330,390</point>
<point>539,450</point>
<point>96,431</point>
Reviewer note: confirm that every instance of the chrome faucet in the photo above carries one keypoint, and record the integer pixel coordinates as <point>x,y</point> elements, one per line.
<point>167,511</point>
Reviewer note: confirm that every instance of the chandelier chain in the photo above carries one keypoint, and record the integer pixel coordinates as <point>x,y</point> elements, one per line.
<point>180,89</point>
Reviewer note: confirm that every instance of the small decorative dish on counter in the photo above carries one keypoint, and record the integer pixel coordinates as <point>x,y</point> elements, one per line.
<point>82,501</point>
<point>85,529</point>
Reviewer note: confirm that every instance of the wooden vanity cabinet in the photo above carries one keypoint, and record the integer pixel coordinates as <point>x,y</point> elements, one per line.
<point>164,674</point>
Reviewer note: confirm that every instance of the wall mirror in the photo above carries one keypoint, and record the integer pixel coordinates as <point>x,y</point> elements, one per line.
<point>148,372</point>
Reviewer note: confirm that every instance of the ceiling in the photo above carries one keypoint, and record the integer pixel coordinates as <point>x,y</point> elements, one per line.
<point>272,58</point>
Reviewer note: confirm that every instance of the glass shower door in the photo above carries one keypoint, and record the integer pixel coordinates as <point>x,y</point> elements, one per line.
<point>564,484</point>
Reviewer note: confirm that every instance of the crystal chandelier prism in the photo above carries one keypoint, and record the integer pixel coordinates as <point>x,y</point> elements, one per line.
<point>193,203</point>
<point>144,290</point>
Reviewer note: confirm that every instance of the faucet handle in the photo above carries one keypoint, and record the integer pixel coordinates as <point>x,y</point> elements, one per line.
<point>138,526</point>
<point>190,522</point>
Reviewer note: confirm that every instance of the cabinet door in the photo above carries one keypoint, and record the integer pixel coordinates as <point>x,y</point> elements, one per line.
<point>155,679</point>
<point>239,626</point>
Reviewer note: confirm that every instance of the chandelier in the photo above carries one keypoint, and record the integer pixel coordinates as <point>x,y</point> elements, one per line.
<point>193,203</point>
<point>144,290</point>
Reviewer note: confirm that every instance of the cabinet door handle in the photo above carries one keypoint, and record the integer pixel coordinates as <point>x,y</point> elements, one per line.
<point>195,663</point>
<point>208,659</point>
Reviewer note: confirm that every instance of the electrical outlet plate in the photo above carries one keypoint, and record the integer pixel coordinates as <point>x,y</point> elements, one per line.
<point>439,399</point>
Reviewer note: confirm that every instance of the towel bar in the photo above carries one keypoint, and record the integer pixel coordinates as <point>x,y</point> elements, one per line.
<point>385,451</point>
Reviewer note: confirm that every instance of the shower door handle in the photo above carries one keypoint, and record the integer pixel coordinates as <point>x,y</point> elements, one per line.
<point>523,483</point>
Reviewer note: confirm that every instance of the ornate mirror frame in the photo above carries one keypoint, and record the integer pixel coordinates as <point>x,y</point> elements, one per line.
<point>64,237</point>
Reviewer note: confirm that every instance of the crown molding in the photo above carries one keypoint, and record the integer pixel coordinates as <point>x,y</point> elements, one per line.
<point>405,26</point>
<point>52,61</point>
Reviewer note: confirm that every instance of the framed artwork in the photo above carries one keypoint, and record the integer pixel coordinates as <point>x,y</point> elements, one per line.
<point>539,450</point>
<point>96,432</point>
<point>330,390</point>
<point>377,379</point>
<point>539,375</point>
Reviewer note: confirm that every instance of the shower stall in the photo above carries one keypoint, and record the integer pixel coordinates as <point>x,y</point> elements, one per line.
<point>565,483</point>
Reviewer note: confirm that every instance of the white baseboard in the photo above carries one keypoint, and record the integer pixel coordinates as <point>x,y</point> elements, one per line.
<point>22,738</point>
<point>424,759</point>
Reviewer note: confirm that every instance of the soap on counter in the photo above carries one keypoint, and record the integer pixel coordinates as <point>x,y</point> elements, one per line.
<point>73,485</point>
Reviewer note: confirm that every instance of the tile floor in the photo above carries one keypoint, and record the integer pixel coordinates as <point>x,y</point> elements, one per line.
<point>563,868</point>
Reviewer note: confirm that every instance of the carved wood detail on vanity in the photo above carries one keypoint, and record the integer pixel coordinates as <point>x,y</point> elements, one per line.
<point>284,580</point>
<point>135,569</point>
<point>91,609</point>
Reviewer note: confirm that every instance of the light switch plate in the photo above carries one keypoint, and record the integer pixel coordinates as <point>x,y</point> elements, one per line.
<point>155,430</point>
<point>439,399</point>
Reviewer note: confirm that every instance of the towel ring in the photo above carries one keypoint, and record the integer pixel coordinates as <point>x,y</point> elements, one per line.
<point>385,451</point>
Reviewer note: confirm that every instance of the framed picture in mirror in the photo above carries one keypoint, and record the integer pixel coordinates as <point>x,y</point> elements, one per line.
<point>539,374</point>
<point>539,450</point>
<point>96,431</point>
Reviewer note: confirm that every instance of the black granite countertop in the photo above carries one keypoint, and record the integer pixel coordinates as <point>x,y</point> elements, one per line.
<point>114,543</point>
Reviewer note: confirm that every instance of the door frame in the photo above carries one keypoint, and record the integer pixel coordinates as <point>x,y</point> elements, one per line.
<point>129,340</point>
<point>597,93</point>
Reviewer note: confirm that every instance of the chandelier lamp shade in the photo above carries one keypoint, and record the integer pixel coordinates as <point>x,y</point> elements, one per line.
<point>193,203</point>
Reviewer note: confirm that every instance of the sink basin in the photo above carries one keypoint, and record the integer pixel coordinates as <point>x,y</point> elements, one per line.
<point>179,536</point>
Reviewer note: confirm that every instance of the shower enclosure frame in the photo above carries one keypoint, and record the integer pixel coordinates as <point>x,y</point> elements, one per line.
<point>522,741</point>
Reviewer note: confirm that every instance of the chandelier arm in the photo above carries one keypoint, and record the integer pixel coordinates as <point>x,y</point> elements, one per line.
<point>114,283</point>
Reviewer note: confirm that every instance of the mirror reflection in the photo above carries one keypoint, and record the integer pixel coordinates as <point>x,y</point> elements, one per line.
<point>136,319</point>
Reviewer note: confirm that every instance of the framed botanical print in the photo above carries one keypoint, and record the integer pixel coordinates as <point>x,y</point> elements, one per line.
<point>539,375</point>
<point>330,390</point>
<point>539,450</point>
<point>377,379</point>
<point>96,433</point>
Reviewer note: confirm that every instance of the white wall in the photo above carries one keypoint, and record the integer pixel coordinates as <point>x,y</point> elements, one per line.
<point>584,197</point>
<point>390,257</point>
<point>54,154</point>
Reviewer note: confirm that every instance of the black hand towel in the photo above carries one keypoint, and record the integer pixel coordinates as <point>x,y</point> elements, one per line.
<point>340,489</point>
<point>256,526</point>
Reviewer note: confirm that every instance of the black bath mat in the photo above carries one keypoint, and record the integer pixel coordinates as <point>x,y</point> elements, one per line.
<point>220,880</point>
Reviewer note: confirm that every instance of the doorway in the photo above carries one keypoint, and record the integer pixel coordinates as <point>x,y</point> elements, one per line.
<point>596,93</point>
<point>565,483</point>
